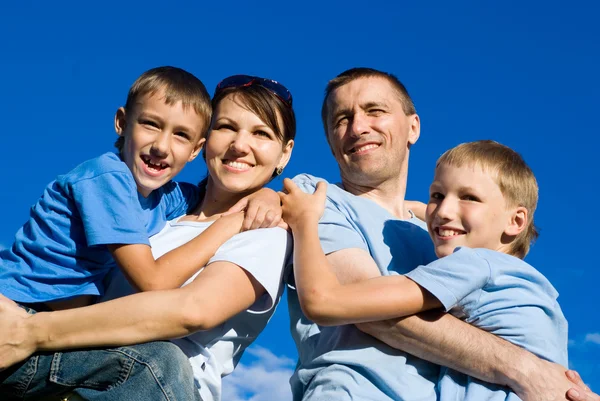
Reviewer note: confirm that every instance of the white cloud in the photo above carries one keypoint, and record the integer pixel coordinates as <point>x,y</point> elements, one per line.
<point>264,379</point>
<point>592,338</point>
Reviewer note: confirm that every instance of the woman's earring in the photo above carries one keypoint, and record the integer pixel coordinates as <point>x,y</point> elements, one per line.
<point>279,170</point>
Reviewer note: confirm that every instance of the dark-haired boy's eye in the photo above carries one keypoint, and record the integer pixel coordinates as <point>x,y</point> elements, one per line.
<point>149,123</point>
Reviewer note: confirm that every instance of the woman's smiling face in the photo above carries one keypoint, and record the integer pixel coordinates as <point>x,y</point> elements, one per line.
<point>242,151</point>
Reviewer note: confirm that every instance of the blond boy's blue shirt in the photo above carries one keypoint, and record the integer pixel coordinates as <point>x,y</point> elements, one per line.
<point>61,251</point>
<point>500,294</point>
<point>342,363</point>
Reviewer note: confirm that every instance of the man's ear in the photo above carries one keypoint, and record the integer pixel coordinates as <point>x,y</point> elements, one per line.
<point>415,129</point>
<point>518,221</point>
<point>120,121</point>
<point>197,149</point>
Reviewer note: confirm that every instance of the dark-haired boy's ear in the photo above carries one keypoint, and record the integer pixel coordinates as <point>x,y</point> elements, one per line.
<point>120,121</point>
<point>197,149</point>
<point>518,221</point>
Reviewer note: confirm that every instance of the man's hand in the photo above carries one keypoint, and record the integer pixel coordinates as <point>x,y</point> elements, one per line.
<point>299,206</point>
<point>262,209</point>
<point>16,340</point>
<point>583,393</point>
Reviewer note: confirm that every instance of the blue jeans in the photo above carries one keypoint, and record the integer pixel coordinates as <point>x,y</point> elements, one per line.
<point>151,371</point>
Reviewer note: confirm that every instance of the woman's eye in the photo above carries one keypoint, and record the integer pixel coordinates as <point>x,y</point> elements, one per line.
<point>262,133</point>
<point>225,127</point>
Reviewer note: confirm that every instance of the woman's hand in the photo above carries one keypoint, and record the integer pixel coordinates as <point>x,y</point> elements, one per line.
<point>17,341</point>
<point>262,209</point>
<point>299,206</point>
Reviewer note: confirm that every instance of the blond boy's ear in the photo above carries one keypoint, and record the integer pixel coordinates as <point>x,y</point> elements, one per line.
<point>197,149</point>
<point>518,221</point>
<point>120,121</point>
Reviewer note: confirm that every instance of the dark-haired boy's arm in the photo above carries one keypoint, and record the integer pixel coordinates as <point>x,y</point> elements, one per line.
<point>445,340</point>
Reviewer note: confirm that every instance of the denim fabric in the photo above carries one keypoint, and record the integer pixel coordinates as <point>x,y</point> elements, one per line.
<point>152,371</point>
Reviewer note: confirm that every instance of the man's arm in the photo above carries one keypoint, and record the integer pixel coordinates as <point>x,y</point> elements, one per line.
<point>442,339</point>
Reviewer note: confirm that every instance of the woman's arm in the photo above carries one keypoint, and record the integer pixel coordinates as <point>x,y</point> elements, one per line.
<point>221,291</point>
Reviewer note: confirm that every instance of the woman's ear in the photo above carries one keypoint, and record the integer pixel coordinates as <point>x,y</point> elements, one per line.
<point>287,153</point>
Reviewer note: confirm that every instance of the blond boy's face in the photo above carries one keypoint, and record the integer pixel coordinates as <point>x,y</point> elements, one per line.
<point>467,208</point>
<point>159,140</point>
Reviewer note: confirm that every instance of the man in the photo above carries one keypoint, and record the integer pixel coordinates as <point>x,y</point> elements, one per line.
<point>366,230</point>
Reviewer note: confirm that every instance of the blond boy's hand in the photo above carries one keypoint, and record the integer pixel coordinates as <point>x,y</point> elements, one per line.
<point>262,209</point>
<point>298,206</point>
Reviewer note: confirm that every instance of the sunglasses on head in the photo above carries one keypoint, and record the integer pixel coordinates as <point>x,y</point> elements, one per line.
<point>238,81</point>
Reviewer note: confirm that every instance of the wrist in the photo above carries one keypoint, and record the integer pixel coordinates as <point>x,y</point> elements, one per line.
<point>304,222</point>
<point>31,333</point>
<point>519,374</point>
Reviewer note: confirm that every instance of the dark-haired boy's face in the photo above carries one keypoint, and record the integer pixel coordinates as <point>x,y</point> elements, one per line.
<point>159,140</point>
<point>467,208</point>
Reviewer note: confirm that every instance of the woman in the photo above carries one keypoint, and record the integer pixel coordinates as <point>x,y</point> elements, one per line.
<point>225,305</point>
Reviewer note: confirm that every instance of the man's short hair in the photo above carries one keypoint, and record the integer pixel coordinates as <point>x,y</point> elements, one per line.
<point>178,85</point>
<point>361,72</point>
<point>513,176</point>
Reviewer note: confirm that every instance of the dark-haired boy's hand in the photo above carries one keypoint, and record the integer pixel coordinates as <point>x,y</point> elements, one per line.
<point>262,209</point>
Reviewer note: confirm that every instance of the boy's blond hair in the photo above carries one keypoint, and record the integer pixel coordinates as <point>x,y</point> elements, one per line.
<point>178,85</point>
<point>514,177</point>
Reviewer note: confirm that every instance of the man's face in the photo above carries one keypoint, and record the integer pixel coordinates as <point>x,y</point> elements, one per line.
<point>369,134</point>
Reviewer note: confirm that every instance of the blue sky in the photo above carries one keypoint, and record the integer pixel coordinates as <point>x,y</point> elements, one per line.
<point>525,75</point>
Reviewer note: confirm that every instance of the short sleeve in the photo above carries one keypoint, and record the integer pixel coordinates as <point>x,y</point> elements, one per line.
<point>110,210</point>
<point>263,253</point>
<point>451,278</point>
<point>336,230</point>
<point>179,198</point>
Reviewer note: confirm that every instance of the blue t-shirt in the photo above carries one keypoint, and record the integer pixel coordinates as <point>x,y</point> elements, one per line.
<point>61,251</point>
<point>342,363</point>
<point>500,294</point>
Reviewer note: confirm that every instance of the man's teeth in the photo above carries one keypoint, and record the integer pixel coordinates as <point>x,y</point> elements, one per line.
<point>448,233</point>
<point>366,147</point>
<point>237,165</point>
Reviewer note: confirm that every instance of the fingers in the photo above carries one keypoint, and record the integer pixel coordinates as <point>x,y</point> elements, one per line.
<point>321,190</point>
<point>289,186</point>
<point>238,207</point>
<point>574,377</point>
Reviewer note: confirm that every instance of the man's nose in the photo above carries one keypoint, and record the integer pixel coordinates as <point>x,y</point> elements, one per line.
<point>359,125</point>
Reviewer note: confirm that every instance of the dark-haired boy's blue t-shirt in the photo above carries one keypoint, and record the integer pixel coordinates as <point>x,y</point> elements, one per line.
<point>61,251</point>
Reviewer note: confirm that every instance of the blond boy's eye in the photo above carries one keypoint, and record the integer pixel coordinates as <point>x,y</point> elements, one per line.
<point>436,196</point>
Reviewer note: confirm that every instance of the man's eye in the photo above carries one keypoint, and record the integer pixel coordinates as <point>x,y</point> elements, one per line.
<point>375,112</point>
<point>341,121</point>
